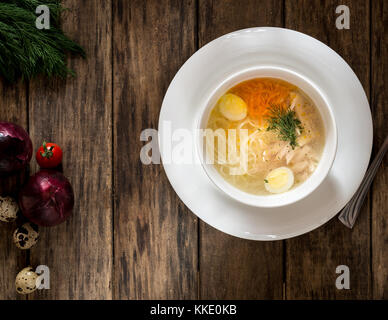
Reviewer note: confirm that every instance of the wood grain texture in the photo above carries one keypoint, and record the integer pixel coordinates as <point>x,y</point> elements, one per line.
<point>155,234</point>
<point>312,258</point>
<point>380,116</point>
<point>232,268</point>
<point>13,108</point>
<point>145,243</point>
<point>76,114</point>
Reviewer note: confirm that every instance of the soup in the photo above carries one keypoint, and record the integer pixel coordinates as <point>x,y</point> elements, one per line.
<point>265,136</point>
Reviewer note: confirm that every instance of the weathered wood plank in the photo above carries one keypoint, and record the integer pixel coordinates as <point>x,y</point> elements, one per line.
<point>76,114</point>
<point>232,268</point>
<point>155,235</point>
<point>13,108</point>
<point>312,259</point>
<point>380,116</point>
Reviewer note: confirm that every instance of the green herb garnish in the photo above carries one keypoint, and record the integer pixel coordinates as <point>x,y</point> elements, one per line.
<point>265,180</point>
<point>285,123</point>
<point>25,50</point>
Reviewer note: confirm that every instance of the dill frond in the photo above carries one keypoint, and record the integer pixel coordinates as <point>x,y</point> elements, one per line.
<point>285,123</point>
<point>26,51</point>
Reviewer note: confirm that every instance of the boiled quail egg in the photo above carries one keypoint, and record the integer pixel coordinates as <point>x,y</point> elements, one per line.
<point>232,107</point>
<point>279,180</point>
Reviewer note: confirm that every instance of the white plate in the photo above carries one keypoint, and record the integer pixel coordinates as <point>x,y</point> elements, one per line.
<point>277,47</point>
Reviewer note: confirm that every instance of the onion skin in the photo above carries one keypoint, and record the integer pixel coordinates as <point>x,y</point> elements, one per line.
<point>47,199</point>
<point>15,148</point>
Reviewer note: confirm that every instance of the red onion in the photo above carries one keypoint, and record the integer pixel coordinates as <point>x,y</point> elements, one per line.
<point>15,148</point>
<point>47,199</point>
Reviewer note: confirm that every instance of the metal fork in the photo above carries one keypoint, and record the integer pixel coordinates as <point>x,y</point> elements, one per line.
<point>350,212</point>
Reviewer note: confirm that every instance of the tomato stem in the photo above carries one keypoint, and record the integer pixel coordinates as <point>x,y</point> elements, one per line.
<point>48,152</point>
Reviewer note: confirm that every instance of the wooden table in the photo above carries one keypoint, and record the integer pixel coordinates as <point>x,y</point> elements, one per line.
<point>130,236</point>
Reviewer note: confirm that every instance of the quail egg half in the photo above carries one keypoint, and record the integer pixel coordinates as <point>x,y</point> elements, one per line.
<point>279,180</point>
<point>26,236</point>
<point>232,107</point>
<point>8,209</point>
<point>26,281</point>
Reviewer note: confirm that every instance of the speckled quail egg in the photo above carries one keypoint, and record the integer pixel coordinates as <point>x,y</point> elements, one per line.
<point>8,209</point>
<point>26,281</point>
<point>26,236</point>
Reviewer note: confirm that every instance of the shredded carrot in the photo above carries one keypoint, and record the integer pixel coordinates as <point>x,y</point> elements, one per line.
<point>261,93</point>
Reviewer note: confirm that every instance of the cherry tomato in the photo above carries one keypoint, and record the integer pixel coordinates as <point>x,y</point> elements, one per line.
<point>49,155</point>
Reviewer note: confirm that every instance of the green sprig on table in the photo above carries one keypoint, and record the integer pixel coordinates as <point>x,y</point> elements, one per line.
<point>25,50</point>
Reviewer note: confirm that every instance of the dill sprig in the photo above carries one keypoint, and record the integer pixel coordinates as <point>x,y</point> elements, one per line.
<point>26,51</point>
<point>285,122</point>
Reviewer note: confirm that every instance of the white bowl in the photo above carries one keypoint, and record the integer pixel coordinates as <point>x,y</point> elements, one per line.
<point>328,154</point>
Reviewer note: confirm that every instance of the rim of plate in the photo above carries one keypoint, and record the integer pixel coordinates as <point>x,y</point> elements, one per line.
<point>332,185</point>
